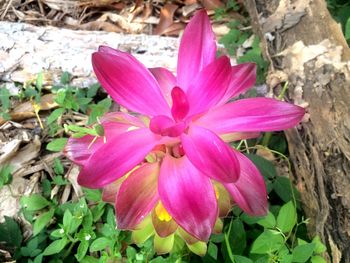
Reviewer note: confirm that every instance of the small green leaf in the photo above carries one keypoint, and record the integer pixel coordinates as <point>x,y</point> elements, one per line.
<point>4,98</point>
<point>347,29</point>
<point>65,78</point>
<point>213,250</point>
<point>92,90</point>
<point>267,169</point>
<point>237,236</point>
<point>318,259</point>
<point>34,202</point>
<point>268,242</point>
<point>82,249</point>
<point>55,247</point>
<point>58,233</point>
<point>10,233</point>
<point>319,246</point>
<point>94,195</point>
<point>99,244</point>
<point>57,166</point>
<point>302,253</point>
<point>55,115</point>
<point>287,217</point>
<point>42,221</point>
<point>39,81</point>
<point>57,145</point>
<point>283,189</point>
<point>268,221</point>
<point>241,259</point>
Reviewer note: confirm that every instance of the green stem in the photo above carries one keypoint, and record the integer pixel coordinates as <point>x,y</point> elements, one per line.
<point>227,242</point>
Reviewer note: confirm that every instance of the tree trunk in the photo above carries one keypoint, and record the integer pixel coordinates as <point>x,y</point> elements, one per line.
<point>306,47</point>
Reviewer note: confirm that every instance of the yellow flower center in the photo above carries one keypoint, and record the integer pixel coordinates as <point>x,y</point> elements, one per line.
<point>161,213</point>
<point>217,194</point>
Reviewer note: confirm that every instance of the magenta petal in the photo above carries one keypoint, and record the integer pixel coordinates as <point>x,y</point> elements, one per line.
<point>249,192</point>
<point>129,83</point>
<point>116,157</point>
<point>208,153</point>
<point>180,105</point>
<point>243,77</point>
<point>188,196</point>
<point>250,115</point>
<point>166,81</point>
<point>137,196</point>
<point>210,85</point>
<point>197,49</point>
<point>79,150</point>
<point>166,126</point>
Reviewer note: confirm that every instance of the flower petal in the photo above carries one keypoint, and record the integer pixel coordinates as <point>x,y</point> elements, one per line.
<point>116,157</point>
<point>188,196</point>
<point>129,83</point>
<point>209,86</point>
<point>163,228</point>
<point>79,150</point>
<point>208,153</point>
<point>251,115</point>
<point>166,81</point>
<point>243,77</point>
<point>137,196</point>
<point>180,105</point>
<point>249,192</point>
<point>109,192</point>
<point>197,49</point>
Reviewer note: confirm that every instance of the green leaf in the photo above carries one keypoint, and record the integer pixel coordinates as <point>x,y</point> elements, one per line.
<point>319,246</point>
<point>241,259</point>
<point>287,217</point>
<point>268,221</point>
<point>60,97</point>
<point>82,249</point>
<point>70,222</point>
<point>65,78</point>
<point>57,145</point>
<point>347,29</point>
<point>10,233</point>
<point>318,259</point>
<point>42,221</point>
<point>55,247</point>
<point>94,195</point>
<point>5,98</point>
<point>268,242</point>
<point>90,259</point>
<point>267,169</point>
<point>5,175</point>
<point>57,166</point>
<point>237,236</point>
<point>213,250</point>
<point>59,180</point>
<point>302,253</point>
<point>39,81</point>
<point>99,244</point>
<point>58,233</point>
<point>92,90</point>
<point>55,115</point>
<point>34,202</point>
<point>283,189</point>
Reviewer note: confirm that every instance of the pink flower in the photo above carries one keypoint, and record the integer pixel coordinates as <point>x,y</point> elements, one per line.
<point>176,146</point>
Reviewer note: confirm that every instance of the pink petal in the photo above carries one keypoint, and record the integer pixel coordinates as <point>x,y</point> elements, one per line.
<point>116,157</point>
<point>188,196</point>
<point>109,192</point>
<point>180,105</point>
<point>209,86</point>
<point>79,150</point>
<point>166,81</point>
<point>208,153</point>
<point>129,83</point>
<point>137,196</point>
<point>252,115</point>
<point>166,126</point>
<point>249,192</point>
<point>243,77</point>
<point>197,49</point>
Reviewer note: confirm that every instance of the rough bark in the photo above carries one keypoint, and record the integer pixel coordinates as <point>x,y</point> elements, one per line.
<point>306,47</point>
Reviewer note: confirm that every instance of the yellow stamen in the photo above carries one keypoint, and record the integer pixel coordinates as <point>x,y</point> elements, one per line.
<point>217,193</point>
<point>161,213</point>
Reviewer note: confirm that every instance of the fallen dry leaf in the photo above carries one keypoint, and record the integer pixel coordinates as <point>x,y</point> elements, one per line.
<point>212,4</point>
<point>25,110</point>
<point>166,18</point>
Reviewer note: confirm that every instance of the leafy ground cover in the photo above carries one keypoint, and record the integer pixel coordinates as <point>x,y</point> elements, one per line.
<point>58,221</point>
